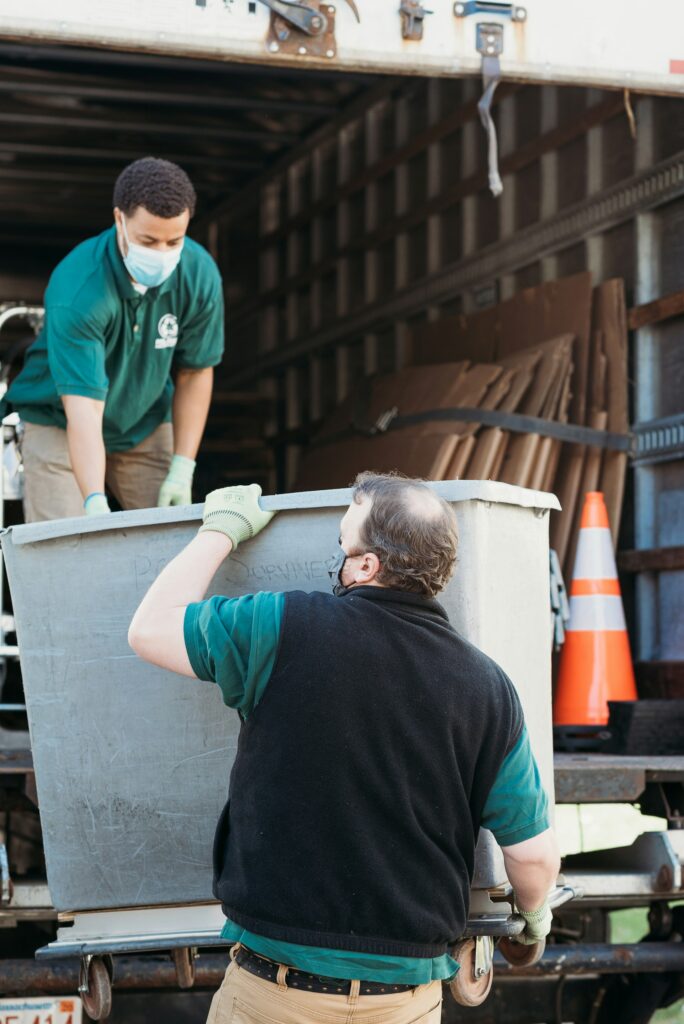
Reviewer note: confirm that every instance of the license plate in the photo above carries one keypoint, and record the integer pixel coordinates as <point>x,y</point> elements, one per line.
<point>41,1011</point>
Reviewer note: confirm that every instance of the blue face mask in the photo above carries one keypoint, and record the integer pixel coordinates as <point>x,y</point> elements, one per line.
<point>149,266</point>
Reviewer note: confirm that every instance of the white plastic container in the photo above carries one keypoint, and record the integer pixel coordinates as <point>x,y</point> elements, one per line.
<point>132,762</point>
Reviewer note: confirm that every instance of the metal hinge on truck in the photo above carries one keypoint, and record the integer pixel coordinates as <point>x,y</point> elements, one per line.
<point>412,15</point>
<point>305,29</point>
<point>489,41</point>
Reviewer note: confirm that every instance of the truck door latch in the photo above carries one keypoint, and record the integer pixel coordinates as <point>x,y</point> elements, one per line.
<point>303,28</point>
<point>299,16</point>
<point>464,8</point>
<point>489,41</point>
<point>490,44</point>
<point>412,16</point>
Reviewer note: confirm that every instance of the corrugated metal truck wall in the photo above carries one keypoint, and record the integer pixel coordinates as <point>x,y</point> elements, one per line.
<point>659,396</point>
<point>383,220</point>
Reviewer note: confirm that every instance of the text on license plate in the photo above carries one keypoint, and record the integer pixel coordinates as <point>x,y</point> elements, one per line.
<point>66,1010</point>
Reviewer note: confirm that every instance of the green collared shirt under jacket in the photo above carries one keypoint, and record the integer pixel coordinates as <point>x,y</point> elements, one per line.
<point>102,339</point>
<point>233,642</point>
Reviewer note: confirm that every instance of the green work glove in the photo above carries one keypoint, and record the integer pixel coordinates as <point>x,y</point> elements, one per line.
<point>177,488</point>
<point>235,512</point>
<point>537,925</point>
<point>96,504</point>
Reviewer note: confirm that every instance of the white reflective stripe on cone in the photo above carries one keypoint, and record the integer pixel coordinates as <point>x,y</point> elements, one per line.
<point>594,559</point>
<point>596,612</point>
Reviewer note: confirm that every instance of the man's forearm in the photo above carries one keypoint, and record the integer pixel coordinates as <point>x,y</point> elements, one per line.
<point>186,578</point>
<point>86,446</point>
<point>191,402</point>
<point>156,632</point>
<point>531,885</point>
<point>532,869</point>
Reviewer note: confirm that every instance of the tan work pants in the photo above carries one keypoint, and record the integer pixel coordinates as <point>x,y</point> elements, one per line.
<point>244,998</point>
<point>50,489</point>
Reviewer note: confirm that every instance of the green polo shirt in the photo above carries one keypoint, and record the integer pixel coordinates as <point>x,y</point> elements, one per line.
<point>104,340</point>
<point>233,642</point>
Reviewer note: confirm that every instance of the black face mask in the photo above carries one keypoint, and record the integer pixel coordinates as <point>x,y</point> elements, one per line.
<point>335,572</point>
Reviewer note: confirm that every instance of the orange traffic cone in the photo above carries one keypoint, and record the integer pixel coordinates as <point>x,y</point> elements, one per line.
<point>596,665</point>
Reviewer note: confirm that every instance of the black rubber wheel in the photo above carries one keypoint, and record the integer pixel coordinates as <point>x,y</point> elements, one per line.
<point>520,955</point>
<point>97,1001</point>
<point>466,989</point>
<point>184,962</point>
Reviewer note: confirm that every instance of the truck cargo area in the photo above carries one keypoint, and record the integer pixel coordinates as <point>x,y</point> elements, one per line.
<point>350,213</point>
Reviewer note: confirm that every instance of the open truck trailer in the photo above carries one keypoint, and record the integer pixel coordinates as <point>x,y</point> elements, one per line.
<point>345,179</point>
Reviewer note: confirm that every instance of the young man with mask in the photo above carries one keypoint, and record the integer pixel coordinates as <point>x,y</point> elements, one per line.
<point>375,742</point>
<point>96,394</point>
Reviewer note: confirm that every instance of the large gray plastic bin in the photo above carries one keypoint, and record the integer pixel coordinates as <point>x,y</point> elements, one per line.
<point>132,762</point>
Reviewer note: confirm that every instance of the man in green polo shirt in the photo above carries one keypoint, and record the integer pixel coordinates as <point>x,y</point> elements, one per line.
<point>96,395</point>
<point>375,742</point>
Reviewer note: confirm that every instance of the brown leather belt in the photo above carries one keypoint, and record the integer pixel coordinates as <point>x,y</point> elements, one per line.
<point>267,970</point>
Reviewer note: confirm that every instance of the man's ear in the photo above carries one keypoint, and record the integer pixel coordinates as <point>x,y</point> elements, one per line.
<point>119,232</point>
<point>368,569</point>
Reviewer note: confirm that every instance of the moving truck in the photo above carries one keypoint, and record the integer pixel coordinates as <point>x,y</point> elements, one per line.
<point>366,169</point>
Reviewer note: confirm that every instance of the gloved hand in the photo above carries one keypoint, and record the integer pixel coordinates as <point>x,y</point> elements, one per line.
<point>537,925</point>
<point>96,504</point>
<point>235,512</point>
<point>177,488</point>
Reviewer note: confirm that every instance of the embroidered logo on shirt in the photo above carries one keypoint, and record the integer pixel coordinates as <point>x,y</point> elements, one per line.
<point>168,331</point>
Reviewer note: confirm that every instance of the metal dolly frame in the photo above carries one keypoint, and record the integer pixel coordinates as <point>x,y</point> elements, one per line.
<point>96,937</point>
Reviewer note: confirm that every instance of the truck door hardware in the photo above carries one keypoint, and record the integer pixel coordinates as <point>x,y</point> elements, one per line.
<point>489,43</point>
<point>412,16</point>
<point>489,39</point>
<point>464,8</point>
<point>302,17</point>
<point>355,10</point>
<point>303,28</point>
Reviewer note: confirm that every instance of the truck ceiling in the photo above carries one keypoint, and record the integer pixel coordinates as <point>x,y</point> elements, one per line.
<point>73,117</point>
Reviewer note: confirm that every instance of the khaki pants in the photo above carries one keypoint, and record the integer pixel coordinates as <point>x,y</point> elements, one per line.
<point>244,998</point>
<point>50,489</point>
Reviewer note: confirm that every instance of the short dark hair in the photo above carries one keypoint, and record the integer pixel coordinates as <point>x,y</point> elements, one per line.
<point>163,188</point>
<point>417,551</point>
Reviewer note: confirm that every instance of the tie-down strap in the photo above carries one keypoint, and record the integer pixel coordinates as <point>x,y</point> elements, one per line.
<point>516,422</point>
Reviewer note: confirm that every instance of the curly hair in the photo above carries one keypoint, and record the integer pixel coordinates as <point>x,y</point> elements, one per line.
<point>163,188</point>
<point>411,529</point>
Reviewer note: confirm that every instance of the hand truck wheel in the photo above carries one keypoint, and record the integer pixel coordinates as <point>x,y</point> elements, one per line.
<point>95,988</point>
<point>520,955</point>
<point>471,985</point>
<point>184,961</point>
